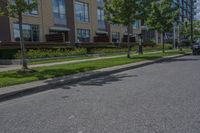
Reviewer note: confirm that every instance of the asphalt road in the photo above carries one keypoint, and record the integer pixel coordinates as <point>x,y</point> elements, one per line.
<point>159,98</point>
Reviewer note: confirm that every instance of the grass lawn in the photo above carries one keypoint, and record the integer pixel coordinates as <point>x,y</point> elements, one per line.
<point>13,77</point>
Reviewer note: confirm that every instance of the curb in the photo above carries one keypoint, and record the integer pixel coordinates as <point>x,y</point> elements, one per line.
<point>16,91</point>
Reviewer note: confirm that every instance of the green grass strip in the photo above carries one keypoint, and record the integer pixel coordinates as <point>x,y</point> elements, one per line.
<point>14,77</point>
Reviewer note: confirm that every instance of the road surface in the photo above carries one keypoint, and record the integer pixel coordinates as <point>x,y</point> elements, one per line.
<point>159,98</point>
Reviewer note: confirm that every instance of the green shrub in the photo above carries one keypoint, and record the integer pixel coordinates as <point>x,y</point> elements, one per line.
<point>107,50</point>
<point>61,52</point>
<point>151,43</point>
<point>48,53</point>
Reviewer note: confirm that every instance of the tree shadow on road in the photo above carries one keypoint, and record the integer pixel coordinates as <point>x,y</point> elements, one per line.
<point>182,59</point>
<point>101,81</point>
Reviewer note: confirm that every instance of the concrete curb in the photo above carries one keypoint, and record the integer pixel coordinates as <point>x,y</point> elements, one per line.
<point>8,93</point>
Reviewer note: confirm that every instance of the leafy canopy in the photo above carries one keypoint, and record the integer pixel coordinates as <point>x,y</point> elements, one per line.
<point>126,11</point>
<point>186,29</point>
<point>120,11</point>
<point>162,16</point>
<point>14,8</point>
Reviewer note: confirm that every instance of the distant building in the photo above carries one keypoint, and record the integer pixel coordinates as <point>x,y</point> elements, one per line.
<point>197,10</point>
<point>186,14</point>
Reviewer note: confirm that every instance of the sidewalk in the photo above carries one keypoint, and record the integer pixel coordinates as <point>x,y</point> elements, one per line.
<point>15,67</point>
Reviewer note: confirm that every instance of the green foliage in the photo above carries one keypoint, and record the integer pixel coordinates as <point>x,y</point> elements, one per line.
<point>108,50</point>
<point>196,30</point>
<point>121,11</point>
<point>15,8</point>
<point>48,53</point>
<point>185,29</point>
<point>126,11</point>
<point>162,16</point>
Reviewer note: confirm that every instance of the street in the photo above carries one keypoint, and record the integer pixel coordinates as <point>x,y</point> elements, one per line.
<point>159,98</point>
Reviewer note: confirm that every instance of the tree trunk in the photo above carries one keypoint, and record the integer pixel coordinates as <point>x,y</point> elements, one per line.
<point>23,58</point>
<point>128,43</point>
<point>163,42</point>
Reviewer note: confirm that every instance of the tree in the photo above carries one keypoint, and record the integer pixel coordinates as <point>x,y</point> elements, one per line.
<point>162,16</point>
<point>196,30</point>
<point>122,12</point>
<point>16,9</point>
<point>126,12</point>
<point>143,13</point>
<point>186,30</point>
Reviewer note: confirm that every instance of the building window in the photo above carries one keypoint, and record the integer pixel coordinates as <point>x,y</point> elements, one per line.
<point>101,20</point>
<point>82,12</point>
<point>136,24</point>
<point>83,35</point>
<point>100,3</point>
<point>30,32</point>
<point>115,37</point>
<point>59,12</point>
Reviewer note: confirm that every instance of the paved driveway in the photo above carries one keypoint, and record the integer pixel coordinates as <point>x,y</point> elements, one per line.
<point>159,98</point>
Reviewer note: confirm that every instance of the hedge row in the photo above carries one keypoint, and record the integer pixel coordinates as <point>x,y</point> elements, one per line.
<point>60,52</point>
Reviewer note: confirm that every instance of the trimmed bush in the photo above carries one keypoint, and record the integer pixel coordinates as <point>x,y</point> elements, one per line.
<point>48,53</point>
<point>63,52</point>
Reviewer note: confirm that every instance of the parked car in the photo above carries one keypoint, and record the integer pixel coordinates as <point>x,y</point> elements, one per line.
<point>196,47</point>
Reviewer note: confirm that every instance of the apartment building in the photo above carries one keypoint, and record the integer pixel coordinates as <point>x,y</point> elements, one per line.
<point>186,14</point>
<point>197,10</point>
<point>186,9</point>
<point>72,21</point>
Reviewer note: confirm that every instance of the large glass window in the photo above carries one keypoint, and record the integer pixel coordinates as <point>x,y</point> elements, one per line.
<point>136,24</point>
<point>100,3</point>
<point>59,12</point>
<point>30,32</point>
<point>82,12</point>
<point>101,20</point>
<point>83,35</point>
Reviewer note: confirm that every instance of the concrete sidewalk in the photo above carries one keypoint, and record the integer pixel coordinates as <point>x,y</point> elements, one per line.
<point>15,91</point>
<point>15,67</point>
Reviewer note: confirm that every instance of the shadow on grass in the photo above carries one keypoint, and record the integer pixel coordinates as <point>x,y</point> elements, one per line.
<point>46,73</point>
